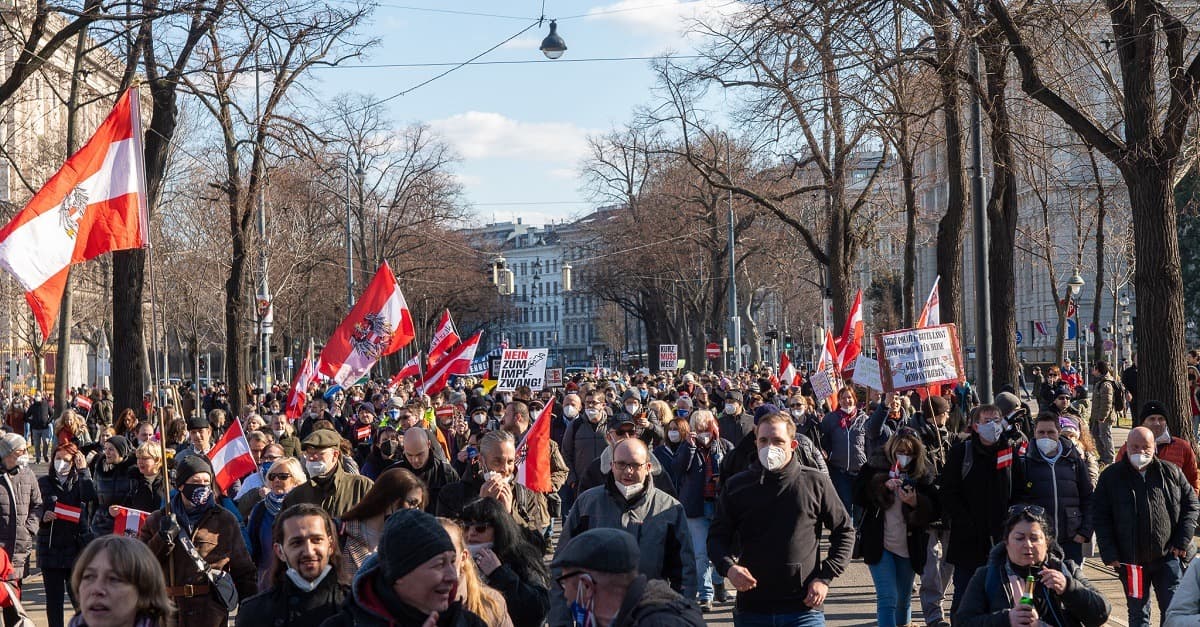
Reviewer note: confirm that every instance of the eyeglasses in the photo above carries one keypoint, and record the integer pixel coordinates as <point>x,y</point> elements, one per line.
<point>282,476</point>
<point>561,581</point>
<point>627,466</point>
<point>1033,510</point>
<point>477,527</point>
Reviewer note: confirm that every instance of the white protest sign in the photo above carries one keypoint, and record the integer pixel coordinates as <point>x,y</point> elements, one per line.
<point>825,383</point>
<point>554,377</point>
<point>914,358</point>
<point>522,366</point>
<point>668,357</point>
<point>866,373</point>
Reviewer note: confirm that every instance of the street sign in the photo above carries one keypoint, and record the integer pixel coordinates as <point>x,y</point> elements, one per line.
<point>712,351</point>
<point>1109,345</point>
<point>1020,337</point>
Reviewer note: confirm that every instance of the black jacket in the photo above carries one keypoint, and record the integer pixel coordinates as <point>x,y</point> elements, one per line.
<point>1140,519</point>
<point>975,495</point>
<point>987,599</point>
<point>436,474</point>
<point>365,608</point>
<point>746,452</point>
<point>775,516</point>
<point>734,428</point>
<point>145,495</point>
<point>1063,487</point>
<point>652,603</point>
<point>285,605</point>
<point>59,541</point>
<point>871,493</point>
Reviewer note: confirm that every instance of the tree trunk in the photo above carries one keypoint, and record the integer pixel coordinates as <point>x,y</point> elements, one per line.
<point>1098,298</point>
<point>1002,214</point>
<point>130,367</point>
<point>654,314</point>
<point>1158,283</point>
<point>951,226</point>
<point>234,307</point>
<point>910,234</point>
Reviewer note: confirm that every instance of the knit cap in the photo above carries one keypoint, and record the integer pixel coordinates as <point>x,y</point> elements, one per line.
<point>411,537</point>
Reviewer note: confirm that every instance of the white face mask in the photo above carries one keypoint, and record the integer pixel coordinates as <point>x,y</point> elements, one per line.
<point>1048,446</point>
<point>480,419</point>
<point>797,414</point>
<point>772,457</point>
<point>674,436</point>
<point>704,438</point>
<point>1140,460</point>
<point>304,584</point>
<point>730,408</point>
<point>989,432</point>
<point>491,474</point>
<point>1165,438</point>
<point>23,461</point>
<point>631,408</point>
<point>317,468</point>
<point>62,466</point>
<point>592,414</point>
<point>903,460</point>
<point>570,411</point>
<point>279,433</point>
<point>630,491</point>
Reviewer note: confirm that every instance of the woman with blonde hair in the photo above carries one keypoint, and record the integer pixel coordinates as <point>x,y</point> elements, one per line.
<point>119,583</point>
<point>476,596</point>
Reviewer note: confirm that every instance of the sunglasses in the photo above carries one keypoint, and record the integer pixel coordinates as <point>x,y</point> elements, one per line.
<point>477,527</point>
<point>282,476</point>
<point>1033,510</point>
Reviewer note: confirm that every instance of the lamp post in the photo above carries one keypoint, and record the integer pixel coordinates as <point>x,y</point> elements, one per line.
<point>360,176</point>
<point>566,282</point>
<point>1074,284</point>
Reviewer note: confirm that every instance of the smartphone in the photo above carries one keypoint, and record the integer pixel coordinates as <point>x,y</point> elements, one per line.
<point>472,452</point>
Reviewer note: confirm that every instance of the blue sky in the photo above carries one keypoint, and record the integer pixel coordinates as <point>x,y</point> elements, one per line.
<point>520,129</point>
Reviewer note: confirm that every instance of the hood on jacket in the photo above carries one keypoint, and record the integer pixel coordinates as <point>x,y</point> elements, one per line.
<point>364,596</point>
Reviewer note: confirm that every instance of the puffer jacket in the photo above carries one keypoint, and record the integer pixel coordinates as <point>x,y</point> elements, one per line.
<point>582,443</point>
<point>871,493</point>
<point>988,598</point>
<point>112,486</point>
<point>975,495</point>
<point>1124,499</point>
<point>847,446</point>
<point>365,608</point>
<point>59,541</point>
<point>652,603</point>
<point>20,515</point>
<point>1062,487</point>
<point>655,519</point>
<point>691,465</point>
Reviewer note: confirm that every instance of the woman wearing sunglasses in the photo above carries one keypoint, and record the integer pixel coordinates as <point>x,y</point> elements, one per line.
<point>281,477</point>
<point>1059,594</point>
<point>507,560</point>
<point>362,526</point>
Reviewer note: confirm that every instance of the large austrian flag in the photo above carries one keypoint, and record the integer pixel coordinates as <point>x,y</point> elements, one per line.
<point>379,324</point>
<point>94,204</point>
<point>231,457</point>
<point>533,453</point>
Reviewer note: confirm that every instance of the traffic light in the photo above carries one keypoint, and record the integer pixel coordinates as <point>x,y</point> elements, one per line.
<point>788,342</point>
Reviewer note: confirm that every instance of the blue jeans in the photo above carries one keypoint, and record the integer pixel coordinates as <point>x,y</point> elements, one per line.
<point>893,576</point>
<point>43,440</point>
<point>1163,576</point>
<point>843,482</point>
<point>806,618</point>
<point>707,575</point>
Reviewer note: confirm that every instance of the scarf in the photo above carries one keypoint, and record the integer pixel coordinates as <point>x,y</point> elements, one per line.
<point>188,519</point>
<point>846,419</point>
<point>274,502</point>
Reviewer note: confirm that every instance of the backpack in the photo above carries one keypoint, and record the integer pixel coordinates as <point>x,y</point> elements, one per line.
<point>1118,390</point>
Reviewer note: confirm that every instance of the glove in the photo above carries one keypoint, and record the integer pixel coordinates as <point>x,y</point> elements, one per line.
<point>168,527</point>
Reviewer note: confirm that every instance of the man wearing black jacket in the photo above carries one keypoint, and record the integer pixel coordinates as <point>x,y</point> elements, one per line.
<point>775,509</point>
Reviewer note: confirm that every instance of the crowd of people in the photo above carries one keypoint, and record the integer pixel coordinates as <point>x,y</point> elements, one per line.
<point>671,494</point>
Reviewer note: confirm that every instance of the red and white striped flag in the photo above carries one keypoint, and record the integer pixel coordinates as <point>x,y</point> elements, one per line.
<point>456,363</point>
<point>94,204</point>
<point>827,362</point>
<point>363,433</point>
<point>230,456</point>
<point>850,344</point>
<point>788,376</point>
<point>411,368</point>
<point>69,513</point>
<point>83,402</point>
<point>1004,458</point>
<point>128,521</point>
<point>444,339</point>
<point>931,313</point>
<point>296,393</point>
<point>379,324</point>
<point>1135,581</point>
<point>533,453</point>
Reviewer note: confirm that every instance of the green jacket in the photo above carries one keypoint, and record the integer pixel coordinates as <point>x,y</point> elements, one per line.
<point>335,493</point>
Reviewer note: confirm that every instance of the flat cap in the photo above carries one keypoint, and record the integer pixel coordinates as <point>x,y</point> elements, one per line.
<point>198,422</point>
<point>601,550</point>
<point>322,438</point>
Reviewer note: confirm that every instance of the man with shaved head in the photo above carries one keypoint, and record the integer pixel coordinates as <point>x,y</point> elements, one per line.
<point>1144,512</point>
<point>421,459</point>
<point>629,501</point>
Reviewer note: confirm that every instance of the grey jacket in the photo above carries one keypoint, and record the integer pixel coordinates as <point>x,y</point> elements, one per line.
<point>20,511</point>
<point>847,447</point>
<point>653,517</point>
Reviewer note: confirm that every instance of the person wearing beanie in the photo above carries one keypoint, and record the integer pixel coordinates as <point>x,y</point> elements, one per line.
<point>1016,414</point>
<point>110,472</point>
<point>412,579</point>
<point>193,521</point>
<point>20,502</point>
<point>1153,416</point>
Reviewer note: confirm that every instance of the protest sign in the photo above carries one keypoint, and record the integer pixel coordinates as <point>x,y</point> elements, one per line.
<point>522,366</point>
<point>668,357</point>
<point>554,377</point>
<point>866,373</point>
<point>825,383</point>
<point>915,358</point>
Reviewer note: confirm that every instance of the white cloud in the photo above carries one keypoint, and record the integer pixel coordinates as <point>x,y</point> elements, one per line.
<point>484,135</point>
<point>663,18</point>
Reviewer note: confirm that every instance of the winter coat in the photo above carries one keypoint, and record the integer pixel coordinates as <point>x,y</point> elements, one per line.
<point>454,496</point>
<point>776,516</point>
<point>285,605</point>
<point>746,453</point>
<point>218,540</point>
<point>113,485</point>
<point>144,494</point>
<point>582,443</point>
<point>871,493</point>
<point>525,594</point>
<point>988,597</point>
<point>847,447</point>
<point>652,603</point>
<point>20,515</point>
<point>38,415</point>
<point>1139,518</point>
<point>1103,397</point>
<point>691,465</point>
<point>59,541</point>
<point>335,493</point>
<point>436,474</point>
<point>364,608</point>
<point>665,454</point>
<point>655,519</point>
<point>734,428</point>
<point>601,468</point>
<point>881,428</point>
<point>975,495</point>
<point>1062,487</point>
<point>1185,604</point>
